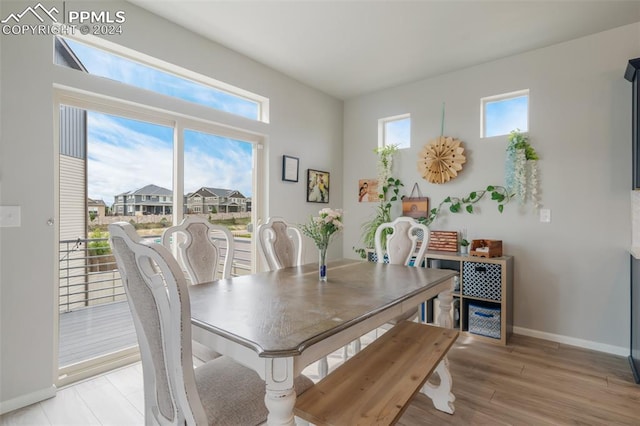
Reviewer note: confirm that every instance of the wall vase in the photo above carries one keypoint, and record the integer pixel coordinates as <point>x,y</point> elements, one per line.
<point>322,264</point>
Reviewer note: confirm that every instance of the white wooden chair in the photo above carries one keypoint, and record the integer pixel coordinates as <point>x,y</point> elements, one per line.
<point>196,250</point>
<point>192,242</point>
<point>218,392</point>
<point>280,243</point>
<point>407,245</point>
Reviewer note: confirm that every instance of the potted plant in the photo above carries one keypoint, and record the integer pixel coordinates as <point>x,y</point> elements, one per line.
<point>464,246</point>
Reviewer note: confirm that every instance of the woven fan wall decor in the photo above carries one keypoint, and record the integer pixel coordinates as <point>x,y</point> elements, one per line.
<point>441,159</point>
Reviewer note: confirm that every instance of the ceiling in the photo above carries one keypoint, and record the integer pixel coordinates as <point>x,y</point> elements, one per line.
<point>348,48</point>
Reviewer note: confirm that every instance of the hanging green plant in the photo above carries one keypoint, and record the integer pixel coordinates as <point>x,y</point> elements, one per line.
<point>521,168</point>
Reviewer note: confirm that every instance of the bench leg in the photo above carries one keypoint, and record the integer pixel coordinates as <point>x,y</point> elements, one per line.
<point>441,394</point>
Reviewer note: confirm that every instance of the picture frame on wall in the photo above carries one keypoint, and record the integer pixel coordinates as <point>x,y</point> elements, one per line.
<point>368,190</point>
<point>290,168</point>
<point>317,186</point>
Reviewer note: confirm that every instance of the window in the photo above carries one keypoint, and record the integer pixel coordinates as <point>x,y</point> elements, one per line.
<point>501,114</point>
<point>93,60</point>
<point>395,131</point>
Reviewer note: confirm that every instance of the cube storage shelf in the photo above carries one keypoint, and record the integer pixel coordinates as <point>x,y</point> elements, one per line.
<point>485,295</point>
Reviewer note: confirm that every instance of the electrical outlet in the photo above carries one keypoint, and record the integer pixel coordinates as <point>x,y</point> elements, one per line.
<point>545,215</point>
<point>9,216</point>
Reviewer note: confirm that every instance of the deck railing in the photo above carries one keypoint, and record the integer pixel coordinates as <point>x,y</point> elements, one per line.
<point>88,279</point>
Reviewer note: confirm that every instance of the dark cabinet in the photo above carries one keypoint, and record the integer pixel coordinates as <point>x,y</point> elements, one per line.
<point>632,74</point>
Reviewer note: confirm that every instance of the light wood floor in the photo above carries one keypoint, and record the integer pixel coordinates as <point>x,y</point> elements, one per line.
<point>528,382</point>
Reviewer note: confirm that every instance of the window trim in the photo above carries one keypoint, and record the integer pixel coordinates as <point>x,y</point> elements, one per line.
<point>497,98</point>
<point>163,66</point>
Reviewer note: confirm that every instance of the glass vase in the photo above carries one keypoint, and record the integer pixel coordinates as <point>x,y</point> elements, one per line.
<point>322,264</point>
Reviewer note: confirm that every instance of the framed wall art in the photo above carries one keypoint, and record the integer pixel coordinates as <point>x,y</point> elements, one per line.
<point>368,190</point>
<point>317,186</point>
<point>290,167</point>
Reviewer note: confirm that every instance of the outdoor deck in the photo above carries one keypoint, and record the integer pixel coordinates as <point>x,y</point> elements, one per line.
<point>96,330</point>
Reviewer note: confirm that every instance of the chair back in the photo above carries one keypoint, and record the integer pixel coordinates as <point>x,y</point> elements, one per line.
<point>280,243</point>
<point>158,297</point>
<point>198,252</point>
<point>407,244</point>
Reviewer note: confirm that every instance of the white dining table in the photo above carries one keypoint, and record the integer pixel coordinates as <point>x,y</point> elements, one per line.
<point>279,322</point>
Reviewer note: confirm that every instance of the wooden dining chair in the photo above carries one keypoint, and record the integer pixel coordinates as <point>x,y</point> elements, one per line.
<point>200,248</point>
<point>219,392</point>
<point>280,243</point>
<point>406,244</point>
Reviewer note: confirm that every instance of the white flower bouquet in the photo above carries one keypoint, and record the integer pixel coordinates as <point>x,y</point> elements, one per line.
<point>323,227</point>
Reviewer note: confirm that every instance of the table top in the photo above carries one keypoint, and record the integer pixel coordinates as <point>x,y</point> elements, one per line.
<point>280,313</point>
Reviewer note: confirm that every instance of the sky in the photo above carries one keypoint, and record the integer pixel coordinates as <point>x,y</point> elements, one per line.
<point>501,117</point>
<point>125,155</point>
<point>398,132</point>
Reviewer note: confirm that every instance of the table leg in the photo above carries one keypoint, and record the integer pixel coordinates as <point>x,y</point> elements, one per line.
<point>323,367</point>
<point>445,300</point>
<point>280,395</point>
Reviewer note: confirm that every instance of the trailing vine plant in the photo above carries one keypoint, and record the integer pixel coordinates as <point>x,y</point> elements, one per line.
<point>499,194</point>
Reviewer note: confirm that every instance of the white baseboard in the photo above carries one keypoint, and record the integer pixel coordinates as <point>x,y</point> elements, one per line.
<point>587,344</point>
<point>28,399</point>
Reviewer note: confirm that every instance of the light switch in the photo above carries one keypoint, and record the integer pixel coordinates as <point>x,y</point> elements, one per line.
<point>9,216</point>
<point>545,215</point>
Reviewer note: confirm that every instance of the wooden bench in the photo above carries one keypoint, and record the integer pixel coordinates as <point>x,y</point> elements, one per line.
<point>376,384</point>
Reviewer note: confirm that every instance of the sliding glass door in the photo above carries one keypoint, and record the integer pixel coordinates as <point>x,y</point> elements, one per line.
<point>116,163</point>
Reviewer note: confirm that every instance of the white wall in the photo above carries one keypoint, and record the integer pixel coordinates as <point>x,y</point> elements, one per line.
<point>304,123</point>
<point>571,275</point>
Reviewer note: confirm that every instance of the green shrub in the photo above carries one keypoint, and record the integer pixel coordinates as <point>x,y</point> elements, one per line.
<point>98,244</point>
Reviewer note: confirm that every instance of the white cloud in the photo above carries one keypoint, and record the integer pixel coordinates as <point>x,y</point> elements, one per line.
<point>122,159</point>
<point>225,165</point>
